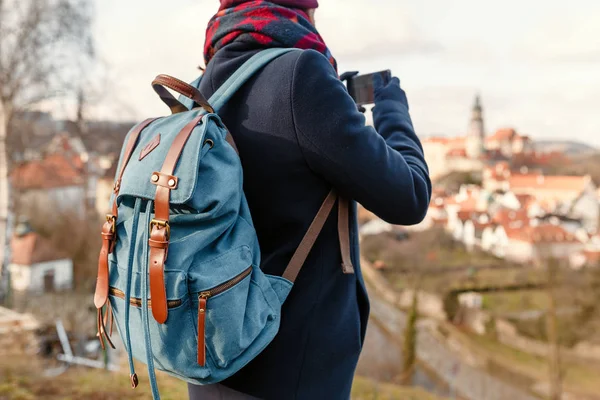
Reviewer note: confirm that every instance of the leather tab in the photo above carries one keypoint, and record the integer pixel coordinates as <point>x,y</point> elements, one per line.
<point>202,331</point>
<point>167,181</point>
<point>344,235</point>
<point>158,256</point>
<point>108,236</point>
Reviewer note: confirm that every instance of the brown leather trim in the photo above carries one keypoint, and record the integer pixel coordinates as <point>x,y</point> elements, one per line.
<point>344,235</point>
<point>159,243</point>
<point>162,197</point>
<point>159,234</point>
<point>315,228</point>
<point>108,237</point>
<point>162,81</point>
<point>293,268</point>
<point>129,147</point>
<point>108,229</point>
<point>153,144</point>
<point>202,331</point>
<point>168,181</point>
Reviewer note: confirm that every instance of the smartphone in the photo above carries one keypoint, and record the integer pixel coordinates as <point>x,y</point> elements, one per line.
<point>361,89</point>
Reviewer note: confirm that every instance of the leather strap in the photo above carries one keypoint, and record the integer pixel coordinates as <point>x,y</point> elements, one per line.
<point>109,227</point>
<point>159,228</point>
<point>307,243</point>
<point>108,238</point>
<point>161,82</point>
<point>129,147</point>
<point>344,235</point>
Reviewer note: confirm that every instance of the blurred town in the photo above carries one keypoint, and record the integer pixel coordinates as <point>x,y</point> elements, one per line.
<point>495,295</point>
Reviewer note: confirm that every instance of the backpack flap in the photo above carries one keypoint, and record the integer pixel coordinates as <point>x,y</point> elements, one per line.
<point>151,151</point>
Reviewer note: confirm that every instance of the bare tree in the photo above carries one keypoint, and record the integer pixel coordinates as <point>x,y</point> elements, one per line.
<point>39,41</point>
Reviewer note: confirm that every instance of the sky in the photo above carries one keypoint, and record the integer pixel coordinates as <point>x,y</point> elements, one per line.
<point>535,63</point>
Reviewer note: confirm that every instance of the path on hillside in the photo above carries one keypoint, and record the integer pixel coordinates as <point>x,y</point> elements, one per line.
<point>470,383</point>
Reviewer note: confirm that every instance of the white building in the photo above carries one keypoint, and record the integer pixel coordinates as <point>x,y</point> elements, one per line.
<point>54,183</point>
<point>36,266</point>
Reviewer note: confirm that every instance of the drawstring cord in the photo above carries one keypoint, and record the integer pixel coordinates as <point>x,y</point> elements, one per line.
<point>136,218</point>
<point>145,318</point>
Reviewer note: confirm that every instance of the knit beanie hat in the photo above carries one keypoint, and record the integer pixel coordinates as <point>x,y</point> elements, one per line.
<point>302,4</point>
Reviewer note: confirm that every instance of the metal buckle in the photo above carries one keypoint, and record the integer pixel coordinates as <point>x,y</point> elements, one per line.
<point>161,223</point>
<point>112,220</point>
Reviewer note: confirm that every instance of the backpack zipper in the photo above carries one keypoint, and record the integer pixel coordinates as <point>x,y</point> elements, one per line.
<point>137,302</point>
<point>202,303</point>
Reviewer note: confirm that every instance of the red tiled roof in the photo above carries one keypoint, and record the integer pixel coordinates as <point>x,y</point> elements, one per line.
<point>52,172</point>
<point>468,205</point>
<point>592,256</point>
<point>503,134</point>
<point>449,141</point>
<point>31,249</point>
<point>558,183</point>
<point>542,234</point>
<point>505,216</point>
<point>436,139</point>
<point>499,172</point>
<point>464,215</point>
<point>470,215</point>
<point>524,199</point>
<point>460,152</point>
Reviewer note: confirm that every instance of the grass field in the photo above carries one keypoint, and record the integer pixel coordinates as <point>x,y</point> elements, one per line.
<point>23,380</point>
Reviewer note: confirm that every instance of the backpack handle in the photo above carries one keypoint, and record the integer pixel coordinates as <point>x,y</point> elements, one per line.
<point>161,82</point>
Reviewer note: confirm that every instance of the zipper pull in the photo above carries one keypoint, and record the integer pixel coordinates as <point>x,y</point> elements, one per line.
<point>202,300</point>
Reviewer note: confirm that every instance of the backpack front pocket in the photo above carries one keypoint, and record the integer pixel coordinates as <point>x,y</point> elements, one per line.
<point>231,316</point>
<point>174,342</point>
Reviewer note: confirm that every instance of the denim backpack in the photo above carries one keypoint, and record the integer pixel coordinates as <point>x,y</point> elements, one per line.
<point>180,244</point>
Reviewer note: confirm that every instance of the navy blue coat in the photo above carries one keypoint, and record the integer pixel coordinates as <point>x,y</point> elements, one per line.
<point>299,134</point>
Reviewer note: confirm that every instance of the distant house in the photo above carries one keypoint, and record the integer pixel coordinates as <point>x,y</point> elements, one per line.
<point>36,265</point>
<point>495,177</point>
<point>552,188</point>
<point>508,142</point>
<point>53,183</point>
<point>536,243</point>
<point>473,230</point>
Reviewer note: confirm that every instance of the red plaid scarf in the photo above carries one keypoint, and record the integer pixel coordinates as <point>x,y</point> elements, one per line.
<point>262,24</point>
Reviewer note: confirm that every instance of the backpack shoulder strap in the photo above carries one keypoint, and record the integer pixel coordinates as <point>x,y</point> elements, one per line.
<point>242,74</point>
<point>293,268</point>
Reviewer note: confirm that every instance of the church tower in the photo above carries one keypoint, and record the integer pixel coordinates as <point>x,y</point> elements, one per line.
<point>476,134</point>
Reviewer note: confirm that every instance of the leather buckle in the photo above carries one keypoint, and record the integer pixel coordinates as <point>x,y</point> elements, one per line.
<point>112,220</point>
<point>117,186</point>
<point>162,224</point>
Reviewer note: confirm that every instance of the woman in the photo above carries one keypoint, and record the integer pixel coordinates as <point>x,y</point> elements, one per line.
<point>299,134</point>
